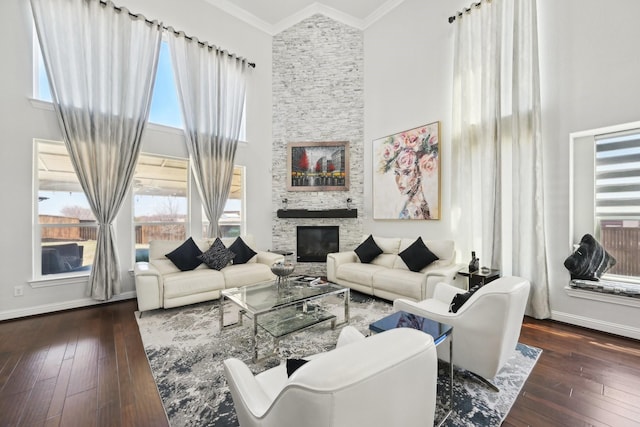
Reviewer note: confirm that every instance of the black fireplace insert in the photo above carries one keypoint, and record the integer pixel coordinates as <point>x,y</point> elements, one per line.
<point>315,242</point>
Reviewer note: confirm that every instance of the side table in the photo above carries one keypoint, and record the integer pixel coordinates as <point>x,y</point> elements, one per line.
<point>286,254</point>
<point>479,277</point>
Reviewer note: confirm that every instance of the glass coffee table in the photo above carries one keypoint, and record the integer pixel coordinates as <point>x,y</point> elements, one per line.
<point>439,331</point>
<point>282,308</point>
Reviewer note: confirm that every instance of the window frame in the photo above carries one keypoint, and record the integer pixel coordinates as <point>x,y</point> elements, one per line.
<point>582,186</point>
<point>37,101</point>
<point>188,220</point>
<point>37,275</point>
<point>243,204</point>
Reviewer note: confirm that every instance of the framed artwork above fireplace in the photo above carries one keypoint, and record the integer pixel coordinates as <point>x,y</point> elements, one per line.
<point>318,166</point>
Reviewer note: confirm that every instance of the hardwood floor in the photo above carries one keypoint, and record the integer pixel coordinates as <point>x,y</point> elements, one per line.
<point>82,367</point>
<point>583,378</point>
<point>87,367</point>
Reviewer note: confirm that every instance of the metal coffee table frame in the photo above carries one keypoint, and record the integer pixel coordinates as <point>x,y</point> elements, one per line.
<point>302,298</point>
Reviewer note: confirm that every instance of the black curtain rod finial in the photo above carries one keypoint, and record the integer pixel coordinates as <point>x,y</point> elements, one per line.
<point>451,19</point>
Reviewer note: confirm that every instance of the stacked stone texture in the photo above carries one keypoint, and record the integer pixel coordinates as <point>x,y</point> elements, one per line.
<point>318,95</point>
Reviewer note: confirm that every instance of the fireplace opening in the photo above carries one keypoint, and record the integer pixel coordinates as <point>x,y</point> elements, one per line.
<point>315,242</point>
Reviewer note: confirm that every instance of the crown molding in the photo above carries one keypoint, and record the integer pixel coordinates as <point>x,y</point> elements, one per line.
<point>318,8</point>
<point>242,14</point>
<point>381,11</point>
<point>313,9</point>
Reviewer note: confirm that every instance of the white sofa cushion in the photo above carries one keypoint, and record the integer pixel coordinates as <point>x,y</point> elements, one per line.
<point>402,282</point>
<point>389,245</point>
<point>246,274</point>
<point>192,282</point>
<point>358,272</point>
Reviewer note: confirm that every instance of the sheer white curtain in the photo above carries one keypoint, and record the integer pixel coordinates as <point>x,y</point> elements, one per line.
<point>497,133</point>
<point>211,89</point>
<point>101,63</point>
<point>529,255</point>
<point>477,113</point>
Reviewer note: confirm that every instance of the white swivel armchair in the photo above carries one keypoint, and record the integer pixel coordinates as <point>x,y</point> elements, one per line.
<point>485,329</point>
<point>388,379</point>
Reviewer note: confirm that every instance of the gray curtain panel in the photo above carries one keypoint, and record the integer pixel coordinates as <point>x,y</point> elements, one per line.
<point>211,88</point>
<point>101,62</point>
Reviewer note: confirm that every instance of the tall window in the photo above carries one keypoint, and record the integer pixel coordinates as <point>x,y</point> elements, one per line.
<point>232,219</point>
<point>160,191</point>
<point>165,108</point>
<point>617,198</point>
<point>66,241</point>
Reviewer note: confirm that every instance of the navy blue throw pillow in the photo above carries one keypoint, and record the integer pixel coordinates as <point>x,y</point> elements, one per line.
<point>293,365</point>
<point>368,250</point>
<point>459,300</point>
<point>185,256</point>
<point>417,256</point>
<point>243,252</point>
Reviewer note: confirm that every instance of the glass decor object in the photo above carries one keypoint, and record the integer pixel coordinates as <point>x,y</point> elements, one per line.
<point>474,264</point>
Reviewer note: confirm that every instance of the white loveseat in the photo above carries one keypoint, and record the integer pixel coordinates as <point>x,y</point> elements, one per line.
<point>388,277</point>
<point>160,284</point>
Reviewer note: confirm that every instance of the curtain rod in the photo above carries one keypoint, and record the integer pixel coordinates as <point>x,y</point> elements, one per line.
<point>137,16</point>
<point>466,10</point>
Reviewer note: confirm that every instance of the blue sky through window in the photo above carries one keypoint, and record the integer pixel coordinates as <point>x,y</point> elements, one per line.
<point>165,109</point>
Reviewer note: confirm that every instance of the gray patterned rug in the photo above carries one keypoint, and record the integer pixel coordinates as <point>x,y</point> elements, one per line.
<point>185,350</point>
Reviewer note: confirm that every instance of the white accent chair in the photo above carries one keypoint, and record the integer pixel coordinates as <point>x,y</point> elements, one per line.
<point>485,329</point>
<point>388,379</point>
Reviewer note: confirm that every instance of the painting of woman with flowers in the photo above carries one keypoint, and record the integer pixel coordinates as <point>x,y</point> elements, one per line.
<point>406,174</point>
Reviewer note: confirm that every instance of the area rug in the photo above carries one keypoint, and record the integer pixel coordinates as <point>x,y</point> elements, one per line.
<point>185,349</point>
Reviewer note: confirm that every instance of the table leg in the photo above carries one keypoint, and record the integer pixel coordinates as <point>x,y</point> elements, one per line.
<point>451,373</point>
<point>221,312</point>
<point>255,338</point>
<point>347,297</point>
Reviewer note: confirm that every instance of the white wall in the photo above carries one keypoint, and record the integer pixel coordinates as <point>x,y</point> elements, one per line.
<point>408,71</point>
<point>589,66</point>
<point>20,122</point>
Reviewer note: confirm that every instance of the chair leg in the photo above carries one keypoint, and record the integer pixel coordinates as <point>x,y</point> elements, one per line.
<point>486,382</point>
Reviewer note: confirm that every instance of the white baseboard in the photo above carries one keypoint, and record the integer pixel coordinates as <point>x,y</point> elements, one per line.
<point>66,305</point>
<point>598,325</point>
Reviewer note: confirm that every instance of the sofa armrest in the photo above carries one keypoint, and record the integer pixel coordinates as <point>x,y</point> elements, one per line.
<point>335,259</point>
<point>445,292</point>
<point>149,286</point>
<point>446,274</point>
<point>349,335</point>
<point>268,258</point>
<point>247,388</point>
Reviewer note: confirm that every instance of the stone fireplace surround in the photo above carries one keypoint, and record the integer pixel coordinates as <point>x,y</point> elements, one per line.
<point>317,95</point>
<point>285,234</point>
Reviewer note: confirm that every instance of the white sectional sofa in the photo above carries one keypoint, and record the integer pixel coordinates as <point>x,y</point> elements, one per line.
<point>388,277</point>
<point>160,284</point>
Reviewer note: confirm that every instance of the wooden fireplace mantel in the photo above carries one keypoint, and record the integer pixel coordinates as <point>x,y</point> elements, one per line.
<point>324,213</point>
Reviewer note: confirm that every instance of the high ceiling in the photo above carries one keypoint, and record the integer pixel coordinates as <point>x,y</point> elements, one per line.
<point>277,15</point>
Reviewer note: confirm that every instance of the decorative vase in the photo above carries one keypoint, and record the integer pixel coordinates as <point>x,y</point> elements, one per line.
<point>474,264</point>
<point>282,270</point>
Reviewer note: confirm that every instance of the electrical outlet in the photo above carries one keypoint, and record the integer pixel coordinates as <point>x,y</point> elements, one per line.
<point>18,291</point>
